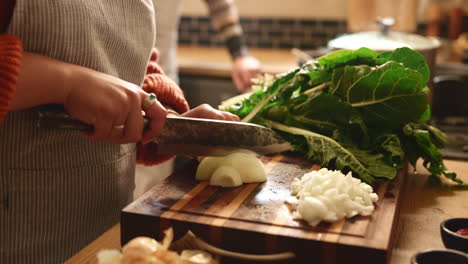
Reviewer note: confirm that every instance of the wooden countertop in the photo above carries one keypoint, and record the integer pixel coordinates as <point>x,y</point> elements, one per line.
<point>215,61</point>
<point>424,208</point>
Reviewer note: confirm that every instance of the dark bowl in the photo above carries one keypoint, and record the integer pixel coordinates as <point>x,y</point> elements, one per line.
<point>451,239</point>
<point>439,256</point>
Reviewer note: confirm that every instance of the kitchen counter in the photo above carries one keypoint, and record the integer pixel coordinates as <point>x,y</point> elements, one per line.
<point>216,62</point>
<point>424,207</point>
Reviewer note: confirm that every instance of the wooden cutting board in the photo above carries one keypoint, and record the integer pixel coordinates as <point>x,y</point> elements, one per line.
<point>254,218</point>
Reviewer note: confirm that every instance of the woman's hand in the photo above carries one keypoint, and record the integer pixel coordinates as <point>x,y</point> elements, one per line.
<point>206,111</point>
<point>113,107</point>
<point>244,69</point>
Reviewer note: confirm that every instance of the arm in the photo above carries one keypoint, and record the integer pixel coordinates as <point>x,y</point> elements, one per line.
<point>172,97</point>
<point>90,96</point>
<point>225,20</point>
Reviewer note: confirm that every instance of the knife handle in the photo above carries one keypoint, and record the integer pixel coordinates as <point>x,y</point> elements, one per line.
<point>55,117</point>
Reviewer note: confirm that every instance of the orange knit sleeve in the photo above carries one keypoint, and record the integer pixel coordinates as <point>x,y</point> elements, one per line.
<point>10,61</point>
<point>167,91</point>
<point>170,95</point>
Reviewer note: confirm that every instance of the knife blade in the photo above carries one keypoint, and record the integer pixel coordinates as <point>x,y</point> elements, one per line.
<point>192,136</point>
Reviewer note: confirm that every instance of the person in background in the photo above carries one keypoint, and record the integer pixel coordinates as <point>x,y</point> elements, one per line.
<point>60,189</point>
<point>225,21</point>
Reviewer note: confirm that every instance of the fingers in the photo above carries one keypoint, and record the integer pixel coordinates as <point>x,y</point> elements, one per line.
<point>231,117</point>
<point>105,122</point>
<point>156,114</point>
<point>206,111</point>
<point>133,130</point>
<point>239,81</point>
<point>245,68</point>
<point>102,129</point>
<point>120,121</point>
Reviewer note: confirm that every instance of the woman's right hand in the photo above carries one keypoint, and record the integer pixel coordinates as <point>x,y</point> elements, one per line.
<point>112,106</point>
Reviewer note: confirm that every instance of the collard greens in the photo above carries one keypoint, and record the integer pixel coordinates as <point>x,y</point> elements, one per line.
<point>352,110</point>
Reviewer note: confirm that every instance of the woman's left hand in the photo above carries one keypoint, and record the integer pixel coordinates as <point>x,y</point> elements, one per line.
<point>208,112</point>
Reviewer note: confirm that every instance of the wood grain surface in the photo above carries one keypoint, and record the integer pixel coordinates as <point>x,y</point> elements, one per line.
<point>423,208</point>
<point>253,218</point>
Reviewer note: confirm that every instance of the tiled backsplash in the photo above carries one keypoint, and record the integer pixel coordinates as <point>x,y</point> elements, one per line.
<point>265,32</point>
<point>274,33</point>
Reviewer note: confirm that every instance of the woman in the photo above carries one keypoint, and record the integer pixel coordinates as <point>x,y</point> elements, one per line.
<point>60,189</point>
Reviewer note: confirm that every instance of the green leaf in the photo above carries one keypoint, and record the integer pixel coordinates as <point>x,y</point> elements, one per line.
<point>390,145</point>
<point>357,123</point>
<point>410,59</point>
<point>325,150</point>
<point>348,57</point>
<point>389,95</point>
<point>262,97</point>
<point>342,78</point>
<point>426,116</point>
<point>420,143</point>
<point>318,77</point>
<point>324,107</point>
<point>353,110</point>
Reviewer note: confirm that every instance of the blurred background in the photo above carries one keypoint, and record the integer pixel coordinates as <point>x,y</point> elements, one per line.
<point>282,34</point>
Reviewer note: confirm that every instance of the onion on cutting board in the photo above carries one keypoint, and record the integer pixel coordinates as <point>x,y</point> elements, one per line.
<point>146,250</point>
<point>241,166</point>
<point>327,195</point>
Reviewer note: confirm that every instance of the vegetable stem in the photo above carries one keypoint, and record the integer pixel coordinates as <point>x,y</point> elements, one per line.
<point>232,101</point>
<point>257,108</point>
<point>302,132</point>
<point>317,88</point>
<point>372,102</point>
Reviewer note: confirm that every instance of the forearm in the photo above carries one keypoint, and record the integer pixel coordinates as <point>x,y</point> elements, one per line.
<point>225,21</point>
<point>41,80</point>
<point>236,46</point>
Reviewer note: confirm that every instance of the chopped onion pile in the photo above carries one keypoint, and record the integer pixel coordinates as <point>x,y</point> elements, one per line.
<point>326,195</point>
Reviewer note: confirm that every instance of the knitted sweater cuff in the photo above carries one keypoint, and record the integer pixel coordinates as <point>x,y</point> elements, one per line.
<point>167,91</point>
<point>10,61</point>
<point>169,94</point>
<point>147,154</point>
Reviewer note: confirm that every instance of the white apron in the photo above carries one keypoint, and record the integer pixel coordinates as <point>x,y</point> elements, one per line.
<point>58,190</point>
<point>167,21</point>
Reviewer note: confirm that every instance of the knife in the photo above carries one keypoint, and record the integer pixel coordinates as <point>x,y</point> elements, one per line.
<point>191,136</point>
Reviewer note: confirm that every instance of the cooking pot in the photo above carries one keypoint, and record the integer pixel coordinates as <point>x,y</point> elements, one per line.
<point>386,40</point>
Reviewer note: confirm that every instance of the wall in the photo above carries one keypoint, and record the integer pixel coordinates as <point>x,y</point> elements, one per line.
<point>321,9</point>
<point>328,9</point>
<point>304,24</point>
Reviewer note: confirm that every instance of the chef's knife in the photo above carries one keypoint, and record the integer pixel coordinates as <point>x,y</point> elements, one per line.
<point>192,136</point>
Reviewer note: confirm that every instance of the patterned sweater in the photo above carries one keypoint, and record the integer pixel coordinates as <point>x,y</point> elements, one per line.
<point>225,21</point>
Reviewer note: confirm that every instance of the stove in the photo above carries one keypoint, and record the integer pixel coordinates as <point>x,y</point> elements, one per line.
<point>450,108</point>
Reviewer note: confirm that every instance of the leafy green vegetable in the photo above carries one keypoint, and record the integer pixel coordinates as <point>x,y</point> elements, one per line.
<point>411,60</point>
<point>353,110</point>
<point>348,57</point>
<point>389,94</point>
